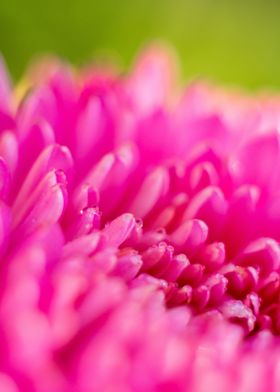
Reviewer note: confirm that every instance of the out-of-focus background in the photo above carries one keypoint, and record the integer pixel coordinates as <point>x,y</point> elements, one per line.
<point>229,41</point>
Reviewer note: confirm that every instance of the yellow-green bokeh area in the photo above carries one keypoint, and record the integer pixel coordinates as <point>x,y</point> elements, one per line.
<point>236,42</point>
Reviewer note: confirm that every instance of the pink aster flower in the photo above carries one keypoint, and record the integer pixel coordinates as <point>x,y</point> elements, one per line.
<point>139,233</point>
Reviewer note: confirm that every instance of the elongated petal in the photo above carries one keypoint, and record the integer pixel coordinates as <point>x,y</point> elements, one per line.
<point>119,229</point>
<point>53,157</point>
<point>153,188</point>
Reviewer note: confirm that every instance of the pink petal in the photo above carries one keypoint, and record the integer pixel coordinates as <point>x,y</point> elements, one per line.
<point>119,229</point>
<point>52,157</point>
<point>151,191</point>
<point>190,235</point>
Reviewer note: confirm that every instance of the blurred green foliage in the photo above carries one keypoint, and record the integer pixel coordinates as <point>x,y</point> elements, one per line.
<point>235,42</point>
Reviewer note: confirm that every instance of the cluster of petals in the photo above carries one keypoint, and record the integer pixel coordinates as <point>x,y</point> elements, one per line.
<point>139,233</point>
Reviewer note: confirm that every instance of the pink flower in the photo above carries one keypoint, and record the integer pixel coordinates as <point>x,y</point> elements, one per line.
<point>139,233</point>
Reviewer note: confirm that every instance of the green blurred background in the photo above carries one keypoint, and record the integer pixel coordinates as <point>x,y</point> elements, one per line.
<point>233,42</point>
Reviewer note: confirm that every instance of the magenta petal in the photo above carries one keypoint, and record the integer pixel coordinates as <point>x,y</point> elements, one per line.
<point>269,290</point>
<point>202,176</point>
<point>5,179</point>
<point>7,384</point>
<point>51,183</point>
<point>265,150</point>
<point>103,261</point>
<point>152,255</point>
<point>85,196</point>
<point>175,268</point>
<point>213,256</point>
<point>263,253</point>
<point>81,246</point>
<point>39,136</point>
<point>210,206</point>
<point>47,210</point>
<point>242,218</point>
<point>217,287</point>
<point>127,266</point>
<point>241,281</point>
<point>192,274</point>
<point>119,229</point>
<point>190,235</point>
<point>237,311</point>
<point>53,157</point>
<point>9,149</point>
<point>5,226</point>
<point>100,171</point>
<point>90,125</point>
<point>181,296</point>
<point>145,280</point>
<point>87,221</point>
<point>125,160</point>
<point>201,296</point>
<point>153,188</point>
